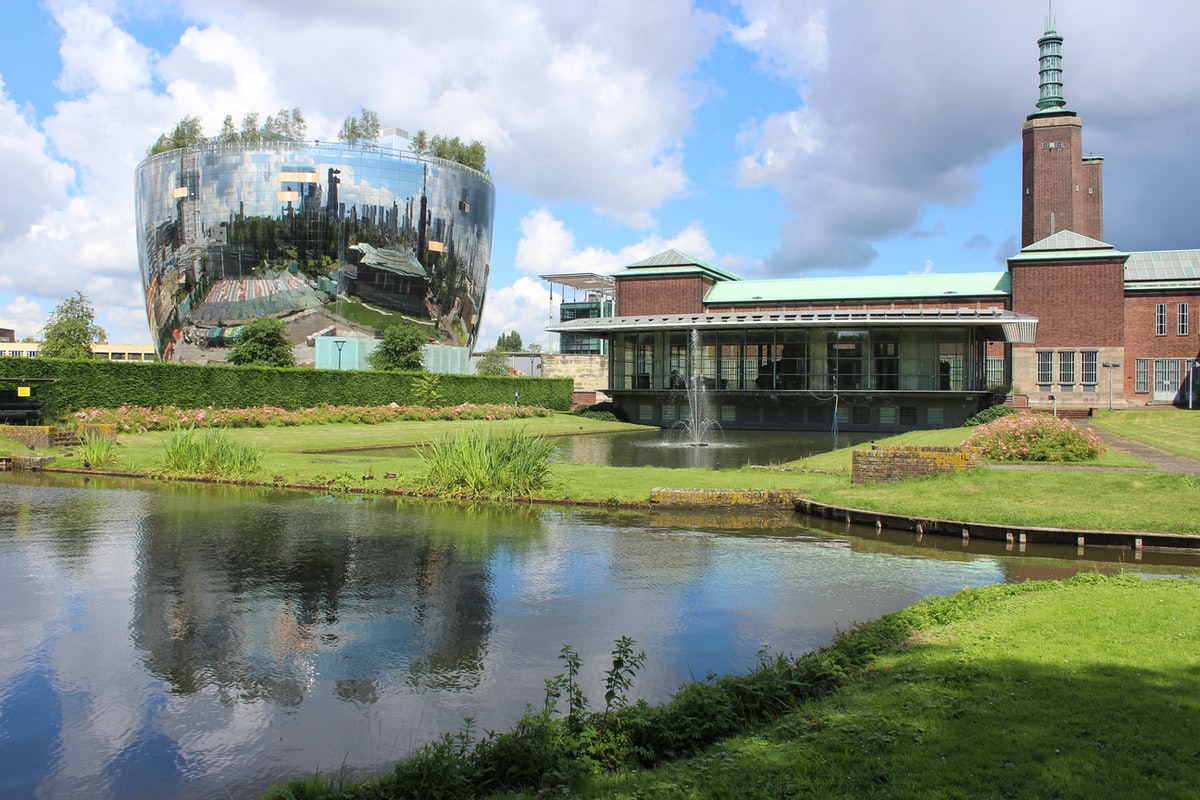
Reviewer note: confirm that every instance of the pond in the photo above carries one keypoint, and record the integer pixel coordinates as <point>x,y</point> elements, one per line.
<point>184,640</point>
<point>667,448</point>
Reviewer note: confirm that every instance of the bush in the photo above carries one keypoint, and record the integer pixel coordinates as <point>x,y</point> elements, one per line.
<point>1035,437</point>
<point>990,414</point>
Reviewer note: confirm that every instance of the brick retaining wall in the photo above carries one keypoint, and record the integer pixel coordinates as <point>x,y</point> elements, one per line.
<point>883,463</point>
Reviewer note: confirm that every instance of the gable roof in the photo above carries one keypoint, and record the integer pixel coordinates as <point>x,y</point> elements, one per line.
<point>1066,246</point>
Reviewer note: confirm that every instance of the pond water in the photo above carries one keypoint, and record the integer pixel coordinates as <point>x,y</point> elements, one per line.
<point>667,448</point>
<point>180,640</point>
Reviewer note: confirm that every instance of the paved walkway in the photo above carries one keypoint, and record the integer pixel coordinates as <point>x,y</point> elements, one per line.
<point>1159,459</point>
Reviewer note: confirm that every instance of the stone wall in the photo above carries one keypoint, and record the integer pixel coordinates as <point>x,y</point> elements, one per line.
<point>43,436</point>
<point>884,463</point>
<point>590,373</point>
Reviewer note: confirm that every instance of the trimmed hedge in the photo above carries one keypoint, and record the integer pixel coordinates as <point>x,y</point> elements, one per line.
<point>110,384</point>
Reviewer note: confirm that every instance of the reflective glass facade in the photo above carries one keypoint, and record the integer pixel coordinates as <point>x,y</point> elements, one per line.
<point>357,237</point>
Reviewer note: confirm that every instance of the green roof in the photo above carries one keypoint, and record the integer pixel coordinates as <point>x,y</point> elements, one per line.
<point>1163,265</point>
<point>673,262</point>
<point>861,287</point>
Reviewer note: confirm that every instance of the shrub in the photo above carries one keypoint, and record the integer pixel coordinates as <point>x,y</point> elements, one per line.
<point>989,414</point>
<point>1035,437</point>
<point>99,451</point>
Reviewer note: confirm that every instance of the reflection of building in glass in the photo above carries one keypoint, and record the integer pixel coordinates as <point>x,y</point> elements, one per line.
<point>359,237</point>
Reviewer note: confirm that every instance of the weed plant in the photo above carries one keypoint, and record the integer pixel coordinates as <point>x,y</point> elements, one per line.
<point>480,464</point>
<point>208,453</point>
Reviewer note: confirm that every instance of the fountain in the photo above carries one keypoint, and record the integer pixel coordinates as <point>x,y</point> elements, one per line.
<point>697,427</point>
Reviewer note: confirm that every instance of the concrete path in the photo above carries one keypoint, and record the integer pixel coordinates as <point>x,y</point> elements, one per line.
<point>1159,459</point>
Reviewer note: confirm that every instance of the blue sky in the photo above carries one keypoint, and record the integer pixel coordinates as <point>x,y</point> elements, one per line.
<point>777,138</point>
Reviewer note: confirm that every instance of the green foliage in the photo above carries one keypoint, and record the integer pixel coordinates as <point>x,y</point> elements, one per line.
<point>990,414</point>
<point>509,342</point>
<point>473,155</point>
<point>208,454</point>
<point>363,128</point>
<point>98,451</point>
<point>400,350</point>
<point>1035,437</point>
<point>603,416</point>
<point>481,464</point>
<point>262,341</point>
<point>110,384</point>
<point>71,330</point>
<point>425,390</point>
<point>187,132</point>
<point>492,362</point>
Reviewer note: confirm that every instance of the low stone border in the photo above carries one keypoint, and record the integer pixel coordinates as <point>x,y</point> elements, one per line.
<point>885,463</point>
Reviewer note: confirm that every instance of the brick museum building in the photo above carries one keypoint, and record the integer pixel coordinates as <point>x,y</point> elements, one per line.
<point>1071,325</point>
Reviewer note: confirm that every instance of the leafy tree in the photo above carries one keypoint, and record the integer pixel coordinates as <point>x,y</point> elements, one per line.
<point>228,132</point>
<point>286,126</point>
<point>363,128</point>
<point>510,342</point>
<point>262,341</point>
<point>472,155</point>
<point>492,362</point>
<point>186,133</point>
<point>400,349</point>
<point>71,329</point>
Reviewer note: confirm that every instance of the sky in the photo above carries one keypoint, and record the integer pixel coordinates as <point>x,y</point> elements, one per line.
<point>775,138</point>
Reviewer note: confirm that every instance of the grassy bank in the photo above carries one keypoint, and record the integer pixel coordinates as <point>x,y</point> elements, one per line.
<point>1032,496</point>
<point>1077,689</point>
<point>1083,689</point>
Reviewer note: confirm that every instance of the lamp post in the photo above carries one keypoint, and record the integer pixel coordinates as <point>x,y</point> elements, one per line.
<point>1109,365</point>
<point>1054,406</point>
<point>340,344</point>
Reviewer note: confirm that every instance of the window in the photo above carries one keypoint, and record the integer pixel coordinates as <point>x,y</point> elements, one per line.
<point>1066,369</point>
<point>994,369</point>
<point>1087,364</point>
<point>1181,327</point>
<point>1141,375</point>
<point>1045,368</point>
<point>1160,319</point>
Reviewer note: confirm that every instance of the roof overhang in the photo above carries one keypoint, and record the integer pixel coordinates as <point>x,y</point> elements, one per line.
<point>998,324</point>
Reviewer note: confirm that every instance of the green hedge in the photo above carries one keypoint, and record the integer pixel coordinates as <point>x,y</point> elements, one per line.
<point>110,384</point>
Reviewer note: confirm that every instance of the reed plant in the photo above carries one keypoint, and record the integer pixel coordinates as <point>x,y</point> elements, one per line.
<point>208,453</point>
<point>481,463</point>
<point>98,451</point>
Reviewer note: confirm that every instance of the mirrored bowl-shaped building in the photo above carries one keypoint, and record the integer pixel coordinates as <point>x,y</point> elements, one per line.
<point>342,237</point>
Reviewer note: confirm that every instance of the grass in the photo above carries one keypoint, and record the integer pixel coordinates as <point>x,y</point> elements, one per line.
<point>1176,432</point>
<point>1081,689</point>
<point>1031,497</point>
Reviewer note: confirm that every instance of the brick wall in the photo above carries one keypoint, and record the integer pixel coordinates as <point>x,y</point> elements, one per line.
<point>657,296</point>
<point>1078,304</point>
<point>883,463</point>
<point>1060,190</point>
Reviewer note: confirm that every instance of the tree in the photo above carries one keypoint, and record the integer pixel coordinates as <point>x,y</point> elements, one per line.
<point>363,128</point>
<point>186,133</point>
<point>71,329</point>
<point>262,341</point>
<point>510,342</point>
<point>492,362</point>
<point>400,349</point>
<point>472,155</point>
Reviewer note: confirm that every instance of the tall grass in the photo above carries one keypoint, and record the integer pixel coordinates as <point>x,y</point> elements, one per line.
<point>98,451</point>
<point>208,453</point>
<point>485,464</point>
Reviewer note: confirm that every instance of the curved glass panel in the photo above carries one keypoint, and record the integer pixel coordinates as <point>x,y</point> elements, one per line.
<point>354,237</point>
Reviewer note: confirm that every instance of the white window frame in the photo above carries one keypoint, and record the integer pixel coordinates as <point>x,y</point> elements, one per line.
<point>1160,319</point>
<point>1182,325</point>
<point>1089,367</point>
<point>1066,368</point>
<point>1141,374</point>
<point>1045,367</point>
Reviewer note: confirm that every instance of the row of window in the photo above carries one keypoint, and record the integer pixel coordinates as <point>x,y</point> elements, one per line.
<point>1084,364</point>
<point>1182,325</point>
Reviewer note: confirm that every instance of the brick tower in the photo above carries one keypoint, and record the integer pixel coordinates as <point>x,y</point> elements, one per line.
<point>1062,189</point>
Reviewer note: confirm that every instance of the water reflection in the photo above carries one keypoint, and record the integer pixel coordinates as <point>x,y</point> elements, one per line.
<point>187,640</point>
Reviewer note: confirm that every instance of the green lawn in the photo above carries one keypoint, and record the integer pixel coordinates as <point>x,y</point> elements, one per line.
<point>1083,689</point>
<point>1037,496</point>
